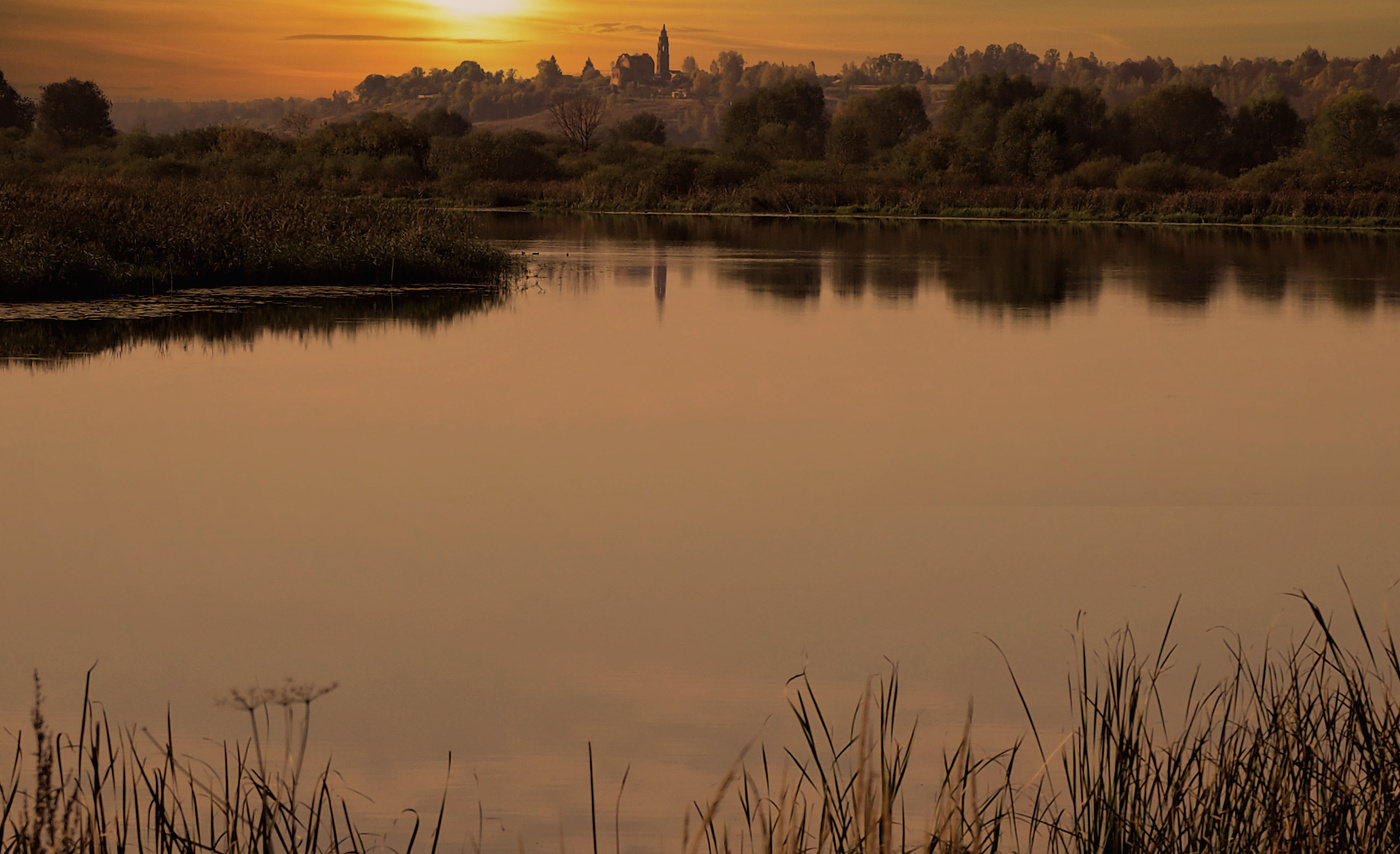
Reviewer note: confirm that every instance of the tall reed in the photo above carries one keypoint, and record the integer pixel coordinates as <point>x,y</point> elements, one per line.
<point>1297,750</point>
<point>129,792</point>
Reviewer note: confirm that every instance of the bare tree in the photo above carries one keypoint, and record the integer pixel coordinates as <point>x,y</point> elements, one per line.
<point>297,123</point>
<point>579,117</point>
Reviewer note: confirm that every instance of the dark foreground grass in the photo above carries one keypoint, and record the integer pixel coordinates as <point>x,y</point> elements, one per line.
<point>126,792</point>
<point>72,239</point>
<point>1297,751</point>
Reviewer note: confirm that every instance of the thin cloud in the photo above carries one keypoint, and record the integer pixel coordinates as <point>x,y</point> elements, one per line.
<point>369,37</point>
<point>607,27</point>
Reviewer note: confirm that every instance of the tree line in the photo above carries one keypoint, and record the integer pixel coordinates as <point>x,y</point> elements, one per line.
<point>781,127</point>
<point>1308,80</point>
<point>72,113</point>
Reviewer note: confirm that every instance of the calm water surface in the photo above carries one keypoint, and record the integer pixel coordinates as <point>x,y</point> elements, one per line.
<point>688,459</point>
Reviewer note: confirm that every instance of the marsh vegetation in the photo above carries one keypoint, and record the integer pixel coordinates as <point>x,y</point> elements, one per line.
<point>1295,750</point>
<point>63,239</point>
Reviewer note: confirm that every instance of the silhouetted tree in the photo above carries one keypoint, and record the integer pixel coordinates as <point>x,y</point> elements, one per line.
<point>729,63</point>
<point>868,125</point>
<point>16,111</point>
<point>848,141</point>
<point>75,113</point>
<point>1265,129</point>
<point>373,89</point>
<point>579,118</point>
<point>1348,131</point>
<point>441,121</point>
<point>295,123</point>
<point>1026,146</point>
<point>547,73</point>
<point>383,134</point>
<point>377,134</point>
<point>786,122</point>
<point>999,92</point>
<point>890,69</point>
<point>898,114</point>
<point>1184,122</point>
<point>1052,134</point>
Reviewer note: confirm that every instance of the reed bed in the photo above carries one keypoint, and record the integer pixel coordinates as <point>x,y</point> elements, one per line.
<point>1296,750</point>
<point>124,791</point>
<point>65,239</point>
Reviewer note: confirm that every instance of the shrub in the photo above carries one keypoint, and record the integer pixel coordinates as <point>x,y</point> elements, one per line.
<point>1162,175</point>
<point>719,173</point>
<point>1101,172</point>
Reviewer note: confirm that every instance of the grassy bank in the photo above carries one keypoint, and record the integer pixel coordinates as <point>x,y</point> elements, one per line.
<point>1297,751</point>
<point>1291,208</point>
<point>82,238</point>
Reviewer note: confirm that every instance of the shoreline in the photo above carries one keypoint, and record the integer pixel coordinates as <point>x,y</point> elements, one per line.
<point>1302,225</point>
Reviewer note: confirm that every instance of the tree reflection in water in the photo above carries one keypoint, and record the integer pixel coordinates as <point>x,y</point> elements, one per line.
<point>997,268</point>
<point>1019,269</point>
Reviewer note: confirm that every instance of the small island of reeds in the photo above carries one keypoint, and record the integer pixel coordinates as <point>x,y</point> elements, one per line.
<point>81,238</point>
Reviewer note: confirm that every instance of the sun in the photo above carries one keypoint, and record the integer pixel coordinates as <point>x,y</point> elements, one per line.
<point>479,8</point>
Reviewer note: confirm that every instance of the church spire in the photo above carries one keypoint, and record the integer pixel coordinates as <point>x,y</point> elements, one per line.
<point>663,56</point>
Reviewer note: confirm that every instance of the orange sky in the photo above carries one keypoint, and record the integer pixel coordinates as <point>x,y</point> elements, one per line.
<point>241,49</point>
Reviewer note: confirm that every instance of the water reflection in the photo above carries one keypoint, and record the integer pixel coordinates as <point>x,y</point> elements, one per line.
<point>53,334</point>
<point>992,268</point>
<point>1016,269</point>
<point>792,279</point>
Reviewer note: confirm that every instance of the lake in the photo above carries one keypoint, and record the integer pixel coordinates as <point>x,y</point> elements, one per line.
<point>682,461</point>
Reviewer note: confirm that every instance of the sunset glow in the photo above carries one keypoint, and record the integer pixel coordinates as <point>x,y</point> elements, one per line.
<point>309,48</point>
<point>476,9</point>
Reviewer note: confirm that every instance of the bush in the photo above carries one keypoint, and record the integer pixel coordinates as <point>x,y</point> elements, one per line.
<point>616,150</point>
<point>1099,173</point>
<point>642,127</point>
<point>674,175</point>
<point>1278,176</point>
<point>1162,175</point>
<point>722,173</point>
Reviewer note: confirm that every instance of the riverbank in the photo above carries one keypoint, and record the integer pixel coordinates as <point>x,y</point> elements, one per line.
<point>67,239</point>
<point>1370,210</point>
<point>62,239</point>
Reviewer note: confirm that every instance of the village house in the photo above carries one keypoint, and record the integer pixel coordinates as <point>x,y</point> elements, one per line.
<point>641,69</point>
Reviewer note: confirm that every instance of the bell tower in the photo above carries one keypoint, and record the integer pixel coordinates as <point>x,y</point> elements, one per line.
<point>663,57</point>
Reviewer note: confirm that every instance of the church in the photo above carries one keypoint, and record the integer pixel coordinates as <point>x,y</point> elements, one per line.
<point>639,68</point>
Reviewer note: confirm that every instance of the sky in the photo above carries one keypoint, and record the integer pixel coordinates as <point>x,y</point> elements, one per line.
<point>244,49</point>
